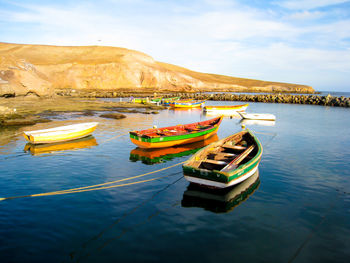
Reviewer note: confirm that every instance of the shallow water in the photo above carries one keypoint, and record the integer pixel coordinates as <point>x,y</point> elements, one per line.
<point>298,210</point>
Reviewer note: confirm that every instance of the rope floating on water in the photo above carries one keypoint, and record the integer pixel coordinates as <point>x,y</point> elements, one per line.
<point>98,186</point>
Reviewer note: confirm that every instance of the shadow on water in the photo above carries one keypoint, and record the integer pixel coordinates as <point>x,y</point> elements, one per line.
<point>220,200</point>
<point>162,155</point>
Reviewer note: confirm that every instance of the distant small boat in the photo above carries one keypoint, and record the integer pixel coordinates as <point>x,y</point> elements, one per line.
<point>225,109</point>
<point>156,100</point>
<point>226,162</point>
<point>187,103</point>
<point>60,134</point>
<point>140,100</point>
<point>257,116</point>
<point>220,200</point>
<point>146,100</point>
<point>160,155</point>
<point>175,135</point>
<point>167,101</point>
<point>37,149</point>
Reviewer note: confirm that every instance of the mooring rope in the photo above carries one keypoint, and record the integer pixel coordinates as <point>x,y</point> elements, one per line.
<point>97,186</point>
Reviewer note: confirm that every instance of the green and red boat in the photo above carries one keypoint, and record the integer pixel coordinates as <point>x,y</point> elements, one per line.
<point>176,135</point>
<point>226,162</point>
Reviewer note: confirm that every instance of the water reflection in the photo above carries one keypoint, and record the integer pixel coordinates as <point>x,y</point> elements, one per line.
<point>220,200</point>
<point>153,156</point>
<point>63,146</point>
<point>232,114</point>
<point>258,122</point>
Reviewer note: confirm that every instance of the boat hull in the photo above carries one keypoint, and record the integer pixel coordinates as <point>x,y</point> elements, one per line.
<point>175,135</point>
<point>188,104</point>
<point>54,136</point>
<point>225,109</point>
<point>160,144</point>
<point>216,184</point>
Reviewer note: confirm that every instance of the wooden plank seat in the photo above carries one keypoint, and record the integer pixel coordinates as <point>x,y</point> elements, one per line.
<point>234,147</point>
<point>235,162</point>
<point>214,162</point>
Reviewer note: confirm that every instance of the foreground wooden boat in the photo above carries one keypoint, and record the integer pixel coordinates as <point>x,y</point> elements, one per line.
<point>257,116</point>
<point>220,200</point>
<point>37,149</point>
<point>226,162</point>
<point>225,109</point>
<point>187,103</point>
<point>160,155</point>
<point>60,134</point>
<point>175,135</point>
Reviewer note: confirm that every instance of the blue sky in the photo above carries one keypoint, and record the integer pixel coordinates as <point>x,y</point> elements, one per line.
<point>296,41</point>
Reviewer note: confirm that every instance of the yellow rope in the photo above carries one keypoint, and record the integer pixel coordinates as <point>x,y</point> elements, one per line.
<point>97,186</point>
<point>114,137</point>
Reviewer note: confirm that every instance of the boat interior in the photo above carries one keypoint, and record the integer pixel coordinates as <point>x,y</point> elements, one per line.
<point>228,155</point>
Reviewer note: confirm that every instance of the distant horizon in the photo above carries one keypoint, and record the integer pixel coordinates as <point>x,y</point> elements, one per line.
<point>292,41</point>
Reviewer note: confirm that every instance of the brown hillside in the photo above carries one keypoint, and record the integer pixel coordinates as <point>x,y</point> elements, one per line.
<point>41,69</point>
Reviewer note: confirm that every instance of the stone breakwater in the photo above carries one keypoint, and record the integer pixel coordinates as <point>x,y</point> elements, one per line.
<point>311,99</point>
<point>273,98</point>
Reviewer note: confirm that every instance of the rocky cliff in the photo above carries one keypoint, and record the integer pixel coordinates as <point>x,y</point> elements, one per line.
<point>41,70</point>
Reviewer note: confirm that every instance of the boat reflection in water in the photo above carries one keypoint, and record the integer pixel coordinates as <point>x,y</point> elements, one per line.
<point>220,200</point>
<point>258,122</point>
<point>37,149</point>
<point>161,155</point>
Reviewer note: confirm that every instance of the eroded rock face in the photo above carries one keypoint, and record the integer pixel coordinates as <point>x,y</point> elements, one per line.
<point>40,70</point>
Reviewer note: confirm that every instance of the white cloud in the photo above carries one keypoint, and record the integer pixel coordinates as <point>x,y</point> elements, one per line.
<point>227,39</point>
<point>308,4</point>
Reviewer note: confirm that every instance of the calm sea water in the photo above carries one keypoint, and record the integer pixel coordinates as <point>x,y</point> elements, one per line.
<point>297,209</point>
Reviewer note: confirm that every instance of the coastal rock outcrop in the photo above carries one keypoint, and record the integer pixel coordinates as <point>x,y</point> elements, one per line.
<point>41,70</point>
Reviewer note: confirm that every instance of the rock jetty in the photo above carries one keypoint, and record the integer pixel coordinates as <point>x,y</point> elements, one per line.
<point>312,99</point>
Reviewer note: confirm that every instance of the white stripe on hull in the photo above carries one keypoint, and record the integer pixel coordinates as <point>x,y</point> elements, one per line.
<point>218,184</point>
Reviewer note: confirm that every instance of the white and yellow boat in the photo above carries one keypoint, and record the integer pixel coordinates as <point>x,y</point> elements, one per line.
<point>60,134</point>
<point>225,109</point>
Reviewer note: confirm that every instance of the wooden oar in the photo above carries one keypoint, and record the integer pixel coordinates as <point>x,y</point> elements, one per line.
<point>234,163</point>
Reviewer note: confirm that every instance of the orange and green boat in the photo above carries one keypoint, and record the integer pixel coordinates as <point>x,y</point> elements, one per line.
<point>176,135</point>
<point>187,103</point>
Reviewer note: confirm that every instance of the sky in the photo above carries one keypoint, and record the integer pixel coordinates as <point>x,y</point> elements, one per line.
<point>295,41</point>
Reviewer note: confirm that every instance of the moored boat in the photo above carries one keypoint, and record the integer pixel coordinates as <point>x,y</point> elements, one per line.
<point>167,101</point>
<point>225,109</point>
<point>187,103</point>
<point>257,116</point>
<point>60,134</point>
<point>175,135</point>
<point>226,162</point>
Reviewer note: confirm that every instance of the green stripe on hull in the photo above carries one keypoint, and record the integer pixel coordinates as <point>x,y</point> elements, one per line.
<point>172,138</point>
